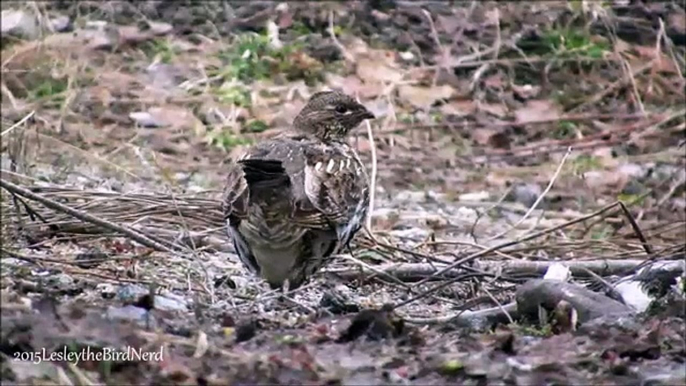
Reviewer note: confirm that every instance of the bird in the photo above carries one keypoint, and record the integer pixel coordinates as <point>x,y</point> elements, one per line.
<point>292,202</point>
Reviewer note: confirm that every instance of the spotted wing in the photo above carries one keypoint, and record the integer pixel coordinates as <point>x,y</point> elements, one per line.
<point>336,185</point>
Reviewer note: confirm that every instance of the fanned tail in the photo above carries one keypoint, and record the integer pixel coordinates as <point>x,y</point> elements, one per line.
<point>264,174</point>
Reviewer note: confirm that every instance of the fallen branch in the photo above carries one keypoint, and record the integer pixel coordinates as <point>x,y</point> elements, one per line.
<point>481,319</point>
<point>416,271</point>
<point>134,235</point>
<point>484,252</point>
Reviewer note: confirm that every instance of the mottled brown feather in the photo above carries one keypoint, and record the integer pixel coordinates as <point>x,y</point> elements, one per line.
<point>292,201</point>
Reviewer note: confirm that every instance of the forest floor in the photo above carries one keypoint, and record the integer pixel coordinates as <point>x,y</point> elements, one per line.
<point>499,128</point>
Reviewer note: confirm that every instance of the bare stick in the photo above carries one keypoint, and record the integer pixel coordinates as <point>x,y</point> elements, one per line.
<point>467,318</point>
<point>38,260</point>
<point>495,248</point>
<point>348,57</point>
<point>372,178</point>
<point>479,214</point>
<point>134,235</point>
<point>538,200</point>
<point>673,188</point>
<point>409,271</point>
<point>637,229</point>
<point>21,121</point>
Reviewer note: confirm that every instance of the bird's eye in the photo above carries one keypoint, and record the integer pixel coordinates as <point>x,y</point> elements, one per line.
<point>341,109</point>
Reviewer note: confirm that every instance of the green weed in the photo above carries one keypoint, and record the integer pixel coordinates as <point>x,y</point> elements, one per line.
<point>604,232</point>
<point>585,163</point>
<point>225,139</point>
<point>252,58</point>
<point>255,126</point>
<point>233,93</point>
<point>530,330</point>
<point>567,42</point>
<point>565,130</point>
<point>162,49</point>
<point>50,87</point>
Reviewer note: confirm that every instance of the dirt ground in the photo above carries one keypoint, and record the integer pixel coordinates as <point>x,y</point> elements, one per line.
<point>505,135</point>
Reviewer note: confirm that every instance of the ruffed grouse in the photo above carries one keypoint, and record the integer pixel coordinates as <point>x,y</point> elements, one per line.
<point>292,201</point>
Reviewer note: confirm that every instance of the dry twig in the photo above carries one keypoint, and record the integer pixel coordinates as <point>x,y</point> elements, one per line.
<point>137,236</point>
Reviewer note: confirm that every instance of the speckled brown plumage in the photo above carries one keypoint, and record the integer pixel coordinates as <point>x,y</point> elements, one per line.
<point>292,201</point>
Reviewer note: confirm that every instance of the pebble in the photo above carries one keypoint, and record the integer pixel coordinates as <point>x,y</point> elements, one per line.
<point>19,23</point>
<point>170,302</point>
<point>145,119</point>
<point>167,302</point>
<point>60,24</point>
<point>107,290</point>
<point>131,292</point>
<point>475,196</point>
<point>132,313</point>
<point>526,194</point>
<point>61,281</point>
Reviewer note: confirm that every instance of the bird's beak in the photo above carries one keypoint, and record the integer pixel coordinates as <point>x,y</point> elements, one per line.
<point>366,114</point>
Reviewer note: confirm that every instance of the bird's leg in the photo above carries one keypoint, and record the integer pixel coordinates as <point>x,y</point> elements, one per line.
<point>285,287</point>
<point>350,250</point>
<point>281,295</point>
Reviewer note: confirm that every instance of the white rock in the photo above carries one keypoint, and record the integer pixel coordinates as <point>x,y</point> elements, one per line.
<point>474,196</point>
<point>19,23</point>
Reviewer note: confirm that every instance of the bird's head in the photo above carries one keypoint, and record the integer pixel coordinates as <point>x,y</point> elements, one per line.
<point>330,115</point>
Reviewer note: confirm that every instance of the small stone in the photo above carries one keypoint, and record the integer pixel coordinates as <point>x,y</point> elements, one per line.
<point>407,56</point>
<point>107,290</point>
<point>475,196</point>
<point>526,194</point>
<point>132,313</point>
<point>90,259</point>
<point>20,24</point>
<point>145,119</point>
<point>60,24</point>
<point>631,170</point>
<point>129,293</point>
<point>170,302</point>
<point>61,281</point>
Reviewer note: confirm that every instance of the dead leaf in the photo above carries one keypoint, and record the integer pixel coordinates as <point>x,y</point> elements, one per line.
<point>373,72</point>
<point>378,66</point>
<point>621,46</point>
<point>362,145</point>
<point>265,114</point>
<point>131,34</point>
<point>526,91</point>
<point>352,85</point>
<point>665,65</point>
<point>380,107</point>
<point>459,108</point>
<point>661,62</point>
<point>284,19</point>
<point>449,25</point>
<point>645,52</point>
<point>494,81</point>
<point>497,110</point>
<point>287,112</point>
<point>159,28</point>
<point>677,22</point>
<point>356,46</point>
<point>491,137</point>
<point>537,111</point>
<point>424,97</point>
<point>174,117</point>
